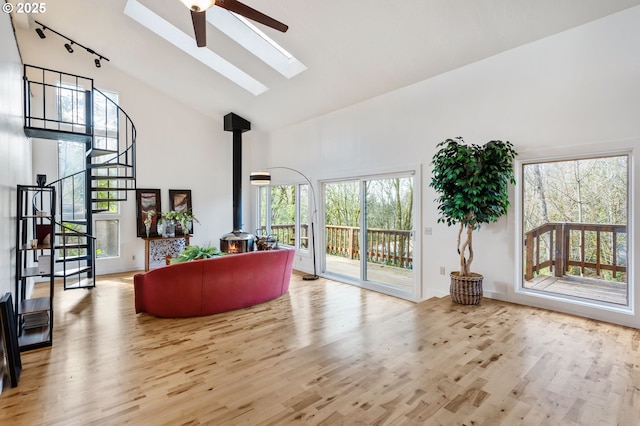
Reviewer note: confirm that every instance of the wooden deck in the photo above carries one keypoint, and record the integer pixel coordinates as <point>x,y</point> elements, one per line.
<point>391,276</point>
<point>585,288</point>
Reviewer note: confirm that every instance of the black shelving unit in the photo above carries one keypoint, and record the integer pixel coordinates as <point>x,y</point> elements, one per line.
<point>35,240</point>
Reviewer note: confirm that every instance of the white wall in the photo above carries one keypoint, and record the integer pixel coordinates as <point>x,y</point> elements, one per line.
<point>15,150</point>
<point>574,93</point>
<point>177,148</point>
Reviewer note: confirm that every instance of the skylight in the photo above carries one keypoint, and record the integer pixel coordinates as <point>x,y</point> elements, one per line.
<point>185,42</point>
<point>255,41</point>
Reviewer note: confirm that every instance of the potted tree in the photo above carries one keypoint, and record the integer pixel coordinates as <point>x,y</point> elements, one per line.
<point>472,183</point>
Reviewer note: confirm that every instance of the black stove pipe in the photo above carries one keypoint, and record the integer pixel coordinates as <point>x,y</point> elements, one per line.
<point>237,180</point>
<point>238,125</point>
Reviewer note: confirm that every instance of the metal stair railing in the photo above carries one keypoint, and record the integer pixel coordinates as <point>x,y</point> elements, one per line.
<point>63,106</point>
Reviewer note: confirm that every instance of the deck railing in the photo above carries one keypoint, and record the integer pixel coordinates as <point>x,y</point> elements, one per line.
<point>385,246</point>
<point>563,247</point>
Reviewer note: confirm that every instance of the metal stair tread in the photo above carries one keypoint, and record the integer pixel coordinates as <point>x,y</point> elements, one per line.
<point>73,258</point>
<point>94,177</point>
<point>73,271</point>
<point>98,152</point>
<point>107,200</point>
<point>74,221</point>
<point>70,246</point>
<point>108,165</point>
<point>56,134</point>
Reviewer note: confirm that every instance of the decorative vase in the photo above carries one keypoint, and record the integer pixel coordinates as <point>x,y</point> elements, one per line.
<point>160,228</point>
<point>170,229</point>
<point>466,290</point>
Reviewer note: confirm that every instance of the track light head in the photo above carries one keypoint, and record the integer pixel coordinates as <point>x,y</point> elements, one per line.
<point>69,44</point>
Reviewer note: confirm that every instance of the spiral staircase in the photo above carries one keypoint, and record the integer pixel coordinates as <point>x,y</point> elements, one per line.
<point>61,106</point>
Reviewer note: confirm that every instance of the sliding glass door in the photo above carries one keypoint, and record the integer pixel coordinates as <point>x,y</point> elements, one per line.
<point>342,228</point>
<point>388,239</point>
<point>369,233</point>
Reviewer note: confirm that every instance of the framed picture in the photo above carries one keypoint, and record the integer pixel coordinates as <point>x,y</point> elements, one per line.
<point>148,209</point>
<point>8,333</point>
<point>180,201</point>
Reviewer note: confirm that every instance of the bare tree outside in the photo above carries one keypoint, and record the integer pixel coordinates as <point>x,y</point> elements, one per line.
<point>575,218</point>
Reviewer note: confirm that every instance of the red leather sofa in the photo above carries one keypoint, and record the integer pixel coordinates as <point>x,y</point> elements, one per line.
<point>209,286</point>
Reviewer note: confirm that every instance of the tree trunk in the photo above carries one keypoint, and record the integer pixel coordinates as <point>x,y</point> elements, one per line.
<point>467,246</point>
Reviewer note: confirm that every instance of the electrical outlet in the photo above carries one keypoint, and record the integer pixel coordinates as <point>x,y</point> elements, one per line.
<point>442,272</point>
<point>428,231</point>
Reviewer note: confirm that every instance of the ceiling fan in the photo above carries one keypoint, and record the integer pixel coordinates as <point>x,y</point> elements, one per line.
<point>199,16</point>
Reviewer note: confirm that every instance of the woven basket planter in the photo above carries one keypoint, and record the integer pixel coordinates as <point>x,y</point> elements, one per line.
<point>466,290</point>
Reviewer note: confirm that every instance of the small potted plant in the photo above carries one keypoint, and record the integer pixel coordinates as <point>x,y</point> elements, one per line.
<point>472,183</point>
<point>185,218</point>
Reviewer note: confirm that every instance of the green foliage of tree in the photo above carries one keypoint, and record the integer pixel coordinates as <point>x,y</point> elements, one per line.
<point>283,205</point>
<point>390,203</point>
<point>472,183</point>
<point>342,203</point>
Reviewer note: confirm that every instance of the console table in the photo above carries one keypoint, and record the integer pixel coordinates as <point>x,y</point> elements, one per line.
<point>147,246</point>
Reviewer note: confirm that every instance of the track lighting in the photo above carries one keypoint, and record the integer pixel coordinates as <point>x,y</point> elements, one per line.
<point>41,34</point>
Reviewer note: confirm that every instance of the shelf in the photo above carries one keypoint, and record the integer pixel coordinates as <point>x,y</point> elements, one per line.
<point>38,304</point>
<point>26,247</point>
<point>34,338</point>
<point>33,271</point>
<point>70,272</point>
<point>35,315</point>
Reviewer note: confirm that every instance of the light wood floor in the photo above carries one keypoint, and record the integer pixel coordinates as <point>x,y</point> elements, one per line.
<point>325,353</point>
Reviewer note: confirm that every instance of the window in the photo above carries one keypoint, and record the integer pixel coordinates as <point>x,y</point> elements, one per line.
<point>72,163</point>
<point>107,238</point>
<point>105,140</point>
<point>575,228</point>
<point>283,211</point>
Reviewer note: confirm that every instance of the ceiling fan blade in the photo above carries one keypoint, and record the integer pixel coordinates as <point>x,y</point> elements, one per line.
<point>200,27</point>
<point>250,13</point>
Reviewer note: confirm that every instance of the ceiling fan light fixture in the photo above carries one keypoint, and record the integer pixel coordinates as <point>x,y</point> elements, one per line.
<point>198,5</point>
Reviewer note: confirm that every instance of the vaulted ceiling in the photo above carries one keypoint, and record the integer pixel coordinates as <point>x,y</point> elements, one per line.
<point>353,49</point>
